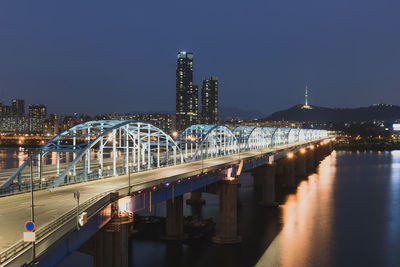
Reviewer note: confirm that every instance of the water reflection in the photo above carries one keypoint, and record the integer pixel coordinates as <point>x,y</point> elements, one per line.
<point>307,217</point>
<point>22,156</point>
<point>13,157</point>
<point>393,228</point>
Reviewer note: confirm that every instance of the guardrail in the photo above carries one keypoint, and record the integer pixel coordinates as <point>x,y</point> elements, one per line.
<point>20,252</point>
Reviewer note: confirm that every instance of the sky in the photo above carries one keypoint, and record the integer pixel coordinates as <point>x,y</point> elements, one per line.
<point>97,56</point>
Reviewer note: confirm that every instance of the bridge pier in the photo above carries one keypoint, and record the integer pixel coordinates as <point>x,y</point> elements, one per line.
<point>289,172</point>
<point>310,159</point>
<point>174,221</point>
<point>109,246</point>
<point>318,155</point>
<point>227,230</point>
<point>195,198</point>
<point>300,164</point>
<point>196,202</point>
<point>265,175</point>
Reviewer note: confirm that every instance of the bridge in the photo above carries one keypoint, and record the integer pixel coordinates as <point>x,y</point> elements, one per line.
<point>120,167</point>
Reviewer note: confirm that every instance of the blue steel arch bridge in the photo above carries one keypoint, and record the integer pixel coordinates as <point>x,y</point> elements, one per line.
<point>108,148</point>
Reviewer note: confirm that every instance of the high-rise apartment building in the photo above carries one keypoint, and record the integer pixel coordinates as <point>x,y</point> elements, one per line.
<point>18,107</point>
<point>209,101</point>
<point>187,95</point>
<point>37,111</point>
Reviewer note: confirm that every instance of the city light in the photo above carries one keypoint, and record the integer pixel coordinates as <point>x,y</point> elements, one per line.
<point>302,150</point>
<point>289,155</point>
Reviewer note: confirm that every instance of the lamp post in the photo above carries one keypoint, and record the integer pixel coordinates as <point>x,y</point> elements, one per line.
<point>32,210</point>
<point>77,195</point>
<point>240,141</point>
<point>201,158</point>
<point>129,177</point>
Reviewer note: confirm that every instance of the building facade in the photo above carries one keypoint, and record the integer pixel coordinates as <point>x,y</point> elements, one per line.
<point>209,101</point>
<point>37,115</point>
<point>187,95</point>
<point>37,111</point>
<point>18,107</point>
<point>164,121</point>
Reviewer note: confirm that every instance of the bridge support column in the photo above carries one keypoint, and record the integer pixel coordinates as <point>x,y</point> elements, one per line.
<point>226,232</point>
<point>300,164</point>
<point>289,172</point>
<point>317,155</point>
<point>266,177</point>
<point>109,246</point>
<point>195,198</point>
<point>310,160</point>
<point>174,222</point>
<point>196,202</point>
<point>280,164</point>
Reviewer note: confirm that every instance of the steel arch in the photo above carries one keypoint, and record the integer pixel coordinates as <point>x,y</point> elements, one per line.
<point>253,137</point>
<point>150,147</point>
<point>208,140</point>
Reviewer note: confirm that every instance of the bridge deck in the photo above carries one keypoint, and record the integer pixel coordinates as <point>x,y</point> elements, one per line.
<point>52,203</point>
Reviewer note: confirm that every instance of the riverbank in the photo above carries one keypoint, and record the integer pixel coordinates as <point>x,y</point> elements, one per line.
<point>22,142</point>
<point>367,144</point>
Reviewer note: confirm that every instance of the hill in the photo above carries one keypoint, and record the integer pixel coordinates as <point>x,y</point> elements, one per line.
<point>381,112</point>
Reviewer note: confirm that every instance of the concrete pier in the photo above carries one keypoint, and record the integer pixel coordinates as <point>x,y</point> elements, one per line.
<point>266,177</point>
<point>174,222</point>
<point>226,232</point>
<point>317,155</point>
<point>300,164</point>
<point>195,198</point>
<point>109,246</point>
<point>289,172</point>
<point>310,159</point>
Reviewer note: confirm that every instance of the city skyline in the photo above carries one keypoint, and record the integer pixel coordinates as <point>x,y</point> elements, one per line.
<point>328,44</point>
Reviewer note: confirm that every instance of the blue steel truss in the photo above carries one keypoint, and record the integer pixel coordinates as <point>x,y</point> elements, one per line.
<point>102,144</point>
<point>205,141</point>
<point>97,149</point>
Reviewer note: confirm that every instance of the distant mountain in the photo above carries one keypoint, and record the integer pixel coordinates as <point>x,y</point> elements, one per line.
<point>235,113</point>
<point>381,112</point>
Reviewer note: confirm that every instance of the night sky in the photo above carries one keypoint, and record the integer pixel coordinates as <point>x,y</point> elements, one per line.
<point>105,56</point>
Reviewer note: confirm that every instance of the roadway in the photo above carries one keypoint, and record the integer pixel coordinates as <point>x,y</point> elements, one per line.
<point>52,203</point>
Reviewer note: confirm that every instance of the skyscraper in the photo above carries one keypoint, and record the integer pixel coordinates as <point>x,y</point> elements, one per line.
<point>186,93</point>
<point>18,107</point>
<point>209,101</point>
<point>37,115</point>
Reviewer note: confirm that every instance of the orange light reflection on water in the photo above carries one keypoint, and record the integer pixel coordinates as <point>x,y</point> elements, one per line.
<point>22,156</point>
<point>306,218</point>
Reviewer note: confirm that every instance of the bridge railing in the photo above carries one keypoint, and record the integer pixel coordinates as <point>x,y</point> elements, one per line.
<point>20,252</point>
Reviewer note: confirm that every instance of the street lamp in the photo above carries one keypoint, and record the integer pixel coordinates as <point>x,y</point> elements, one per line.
<point>129,177</point>
<point>77,195</point>
<point>32,210</point>
<point>201,158</point>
